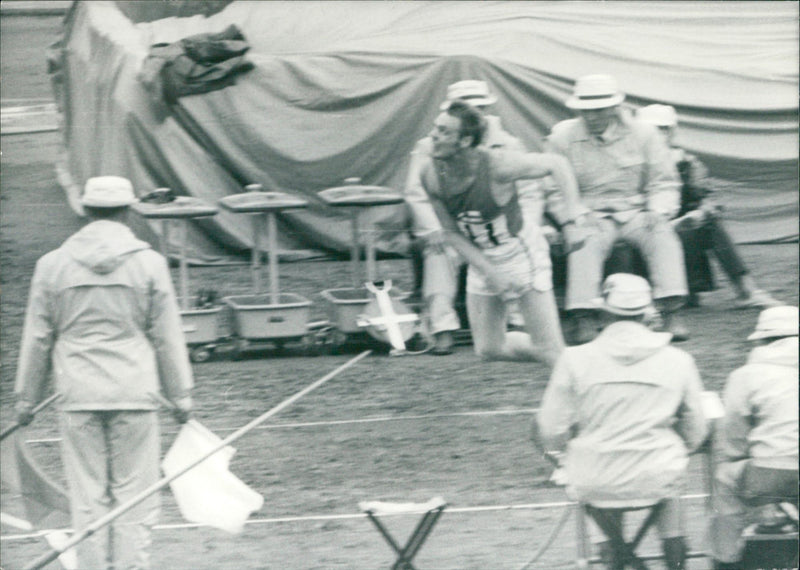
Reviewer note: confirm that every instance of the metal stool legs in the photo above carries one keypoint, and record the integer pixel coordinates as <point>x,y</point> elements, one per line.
<point>406,554</point>
<point>622,553</point>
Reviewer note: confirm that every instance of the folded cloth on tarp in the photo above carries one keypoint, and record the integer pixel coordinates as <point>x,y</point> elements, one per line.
<point>195,64</point>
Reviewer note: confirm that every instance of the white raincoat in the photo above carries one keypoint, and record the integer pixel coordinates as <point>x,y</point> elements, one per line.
<point>627,408</point>
<point>102,317</point>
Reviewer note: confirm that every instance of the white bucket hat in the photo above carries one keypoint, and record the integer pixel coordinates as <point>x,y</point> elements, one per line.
<point>595,92</point>
<point>658,115</point>
<point>108,192</point>
<point>625,294</point>
<point>776,321</point>
<point>471,91</point>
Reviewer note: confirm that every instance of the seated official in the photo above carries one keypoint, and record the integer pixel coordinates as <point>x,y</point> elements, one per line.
<point>699,224</point>
<point>626,408</point>
<point>757,445</point>
<point>628,181</point>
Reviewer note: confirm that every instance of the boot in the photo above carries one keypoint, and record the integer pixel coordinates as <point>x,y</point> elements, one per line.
<point>674,552</point>
<point>674,324</point>
<point>718,565</point>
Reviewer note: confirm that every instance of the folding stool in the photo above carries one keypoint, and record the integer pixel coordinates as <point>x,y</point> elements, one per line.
<point>609,520</point>
<point>432,511</point>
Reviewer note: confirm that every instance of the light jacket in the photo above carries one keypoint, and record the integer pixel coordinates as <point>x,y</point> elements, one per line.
<point>626,170</point>
<point>761,407</point>
<point>103,320</point>
<point>627,407</point>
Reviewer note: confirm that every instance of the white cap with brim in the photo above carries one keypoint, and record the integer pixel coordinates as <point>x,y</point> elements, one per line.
<point>658,115</point>
<point>108,192</point>
<point>595,92</point>
<point>470,91</point>
<point>776,322</point>
<point>626,295</point>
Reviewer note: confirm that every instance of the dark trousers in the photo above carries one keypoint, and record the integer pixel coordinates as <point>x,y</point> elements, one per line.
<point>697,242</point>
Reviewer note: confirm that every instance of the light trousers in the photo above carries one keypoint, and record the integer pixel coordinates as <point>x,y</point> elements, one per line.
<point>650,233</point>
<point>109,458</point>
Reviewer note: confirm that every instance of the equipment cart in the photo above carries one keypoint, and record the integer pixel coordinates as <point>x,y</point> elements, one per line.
<point>200,323</point>
<point>344,305</point>
<point>274,317</point>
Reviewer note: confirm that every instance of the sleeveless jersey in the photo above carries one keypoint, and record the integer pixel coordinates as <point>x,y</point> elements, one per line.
<point>471,204</point>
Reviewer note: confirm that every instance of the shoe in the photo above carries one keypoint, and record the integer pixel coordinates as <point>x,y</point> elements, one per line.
<point>758,299</point>
<point>444,343</point>
<point>674,324</point>
<point>693,300</point>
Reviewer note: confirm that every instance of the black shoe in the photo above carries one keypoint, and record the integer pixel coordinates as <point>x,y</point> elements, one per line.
<point>444,343</point>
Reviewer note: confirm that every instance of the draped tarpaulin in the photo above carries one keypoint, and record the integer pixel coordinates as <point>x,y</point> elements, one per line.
<point>344,89</point>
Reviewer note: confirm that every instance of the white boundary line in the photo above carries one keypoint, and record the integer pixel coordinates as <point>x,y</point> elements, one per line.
<point>376,419</point>
<point>311,518</point>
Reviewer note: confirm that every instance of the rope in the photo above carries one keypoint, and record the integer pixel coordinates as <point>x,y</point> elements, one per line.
<point>547,543</point>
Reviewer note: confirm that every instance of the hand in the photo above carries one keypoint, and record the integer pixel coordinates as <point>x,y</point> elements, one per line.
<point>696,217</point>
<point>574,237</point>
<point>24,412</point>
<point>183,410</point>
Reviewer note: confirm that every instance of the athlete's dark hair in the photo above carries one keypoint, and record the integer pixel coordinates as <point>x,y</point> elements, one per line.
<point>472,122</point>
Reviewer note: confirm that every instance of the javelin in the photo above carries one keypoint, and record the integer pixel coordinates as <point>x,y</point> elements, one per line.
<point>158,485</point>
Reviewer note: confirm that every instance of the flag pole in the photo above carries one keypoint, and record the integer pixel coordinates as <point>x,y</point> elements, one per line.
<point>42,405</point>
<point>48,557</point>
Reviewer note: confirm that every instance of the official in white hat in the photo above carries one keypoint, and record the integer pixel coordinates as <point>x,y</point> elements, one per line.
<point>595,92</point>
<point>472,91</point>
<point>700,225</point>
<point>626,409</point>
<point>108,192</point>
<point>758,438</point>
<point>104,328</point>
<point>630,185</point>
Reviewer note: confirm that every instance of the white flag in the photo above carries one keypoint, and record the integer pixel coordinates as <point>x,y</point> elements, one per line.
<point>208,493</point>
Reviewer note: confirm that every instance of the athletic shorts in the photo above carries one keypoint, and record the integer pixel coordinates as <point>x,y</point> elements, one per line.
<point>525,259</point>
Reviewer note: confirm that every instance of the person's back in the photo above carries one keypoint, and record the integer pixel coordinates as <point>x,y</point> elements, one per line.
<point>627,389</point>
<point>103,321</point>
<point>756,447</point>
<point>107,289</point>
<point>627,409</point>
<point>761,397</point>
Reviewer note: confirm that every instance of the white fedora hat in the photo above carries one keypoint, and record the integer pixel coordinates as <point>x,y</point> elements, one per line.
<point>776,321</point>
<point>595,92</point>
<point>108,192</point>
<point>658,115</point>
<point>471,91</point>
<point>625,294</point>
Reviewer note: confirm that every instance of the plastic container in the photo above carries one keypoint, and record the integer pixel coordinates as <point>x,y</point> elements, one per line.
<point>257,317</point>
<point>201,326</point>
<point>345,305</point>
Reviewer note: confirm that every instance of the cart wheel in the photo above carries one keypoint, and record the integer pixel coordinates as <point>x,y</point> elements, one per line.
<point>200,354</point>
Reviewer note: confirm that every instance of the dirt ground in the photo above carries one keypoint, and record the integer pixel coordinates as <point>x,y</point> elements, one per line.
<point>395,429</point>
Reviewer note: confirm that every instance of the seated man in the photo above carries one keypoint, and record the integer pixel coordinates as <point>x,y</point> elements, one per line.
<point>699,225</point>
<point>629,183</point>
<point>756,448</point>
<point>438,271</point>
<point>627,409</point>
